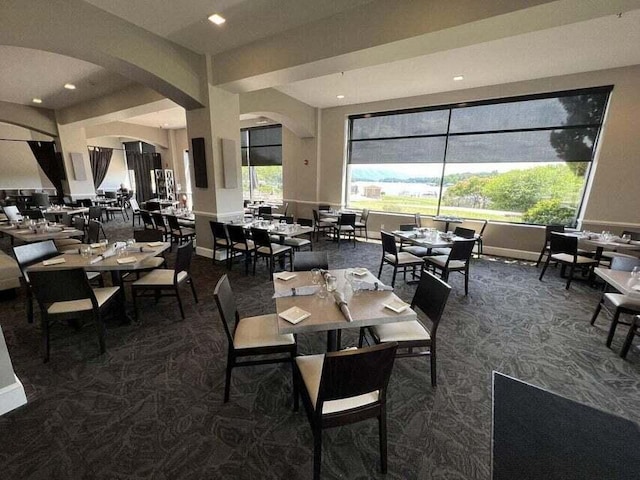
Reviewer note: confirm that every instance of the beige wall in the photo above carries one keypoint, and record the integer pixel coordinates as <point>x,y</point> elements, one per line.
<point>610,203</point>
<point>18,166</point>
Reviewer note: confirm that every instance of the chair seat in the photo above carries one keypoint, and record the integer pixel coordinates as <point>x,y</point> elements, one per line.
<point>359,225</point>
<point>441,251</point>
<point>616,254</point>
<point>344,228</point>
<point>622,301</point>
<point>102,296</point>
<point>310,367</point>
<point>159,278</point>
<point>276,249</point>
<point>260,331</point>
<point>566,258</point>
<point>325,224</point>
<point>416,250</point>
<point>241,246</point>
<point>274,238</point>
<point>222,241</point>
<point>404,258</point>
<point>441,261</point>
<point>296,242</point>
<point>401,332</point>
<point>93,275</point>
<point>153,262</point>
<point>184,232</point>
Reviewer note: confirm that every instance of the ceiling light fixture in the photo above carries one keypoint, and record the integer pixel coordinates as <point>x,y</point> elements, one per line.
<point>458,78</point>
<point>217,19</point>
<point>37,100</point>
<point>340,97</point>
<point>69,86</point>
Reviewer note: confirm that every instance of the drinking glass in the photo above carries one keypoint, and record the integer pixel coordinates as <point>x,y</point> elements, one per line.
<point>626,237</point>
<point>635,273</point>
<point>104,244</point>
<point>85,251</point>
<point>130,243</point>
<point>332,283</point>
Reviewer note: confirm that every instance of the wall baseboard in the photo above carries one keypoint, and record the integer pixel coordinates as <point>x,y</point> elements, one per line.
<point>12,396</point>
<point>511,253</point>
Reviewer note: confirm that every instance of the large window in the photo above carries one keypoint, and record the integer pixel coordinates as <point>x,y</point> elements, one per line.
<point>262,163</point>
<point>522,159</point>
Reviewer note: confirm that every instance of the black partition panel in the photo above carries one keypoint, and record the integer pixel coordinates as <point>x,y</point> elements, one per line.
<point>199,162</point>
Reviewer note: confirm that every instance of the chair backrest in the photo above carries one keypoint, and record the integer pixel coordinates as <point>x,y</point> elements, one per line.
<point>347,219</point>
<point>431,298</point>
<point>226,307</point>
<point>462,250</point>
<point>33,213</point>
<point>288,220</point>
<point>264,211</point>
<point>148,235</point>
<point>236,233</point>
<point>364,216</point>
<point>306,261</point>
<point>218,230</point>
<point>93,231</point>
<point>95,213</point>
<point>388,244</point>
<point>158,219</point>
<point>110,194</point>
<point>624,264</point>
<point>39,199</point>
<point>79,222</point>
<point>324,207</point>
<point>484,226</point>
<point>285,208</point>
<point>173,222</point>
<point>635,236</point>
<point>417,219</point>
<point>52,286</point>
<point>407,227</point>
<point>261,237</point>
<point>349,373</point>
<point>134,204</point>
<point>549,229</point>
<point>31,253</point>
<point>316,216</point>
<point>12,212</point>
<point>146,219</point>
<point>183,260</point>
<point>563,244</point>
<point>464,232</point>
<point>305,222</point>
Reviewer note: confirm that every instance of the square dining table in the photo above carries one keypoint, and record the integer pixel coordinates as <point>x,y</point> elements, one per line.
<point>367,308</point>
<point>27,235</point>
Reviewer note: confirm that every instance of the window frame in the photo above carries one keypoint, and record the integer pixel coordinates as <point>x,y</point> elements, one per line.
<point>248,147</point>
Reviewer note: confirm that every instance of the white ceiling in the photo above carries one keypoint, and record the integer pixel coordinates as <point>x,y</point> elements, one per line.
<point>601,43</point>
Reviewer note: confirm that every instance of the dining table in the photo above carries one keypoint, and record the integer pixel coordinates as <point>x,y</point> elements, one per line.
<point>29,235</point>
<point>429,240</point>
<point>622,281</point>
<point>58,213</point>
<point>447,220</point>
<point>367,308</point>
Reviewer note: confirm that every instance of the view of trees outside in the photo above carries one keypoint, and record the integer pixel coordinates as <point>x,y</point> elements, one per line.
<point>523,161</point>
<point>266,183</point>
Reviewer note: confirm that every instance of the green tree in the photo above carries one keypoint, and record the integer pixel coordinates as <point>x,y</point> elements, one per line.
<point>468,192</point>
<point>547,212</point>
<point>520,190</point>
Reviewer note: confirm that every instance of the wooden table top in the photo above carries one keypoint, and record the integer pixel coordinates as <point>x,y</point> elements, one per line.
<point>620,280</point>
<point>28,236</point>
<point>366,307</point>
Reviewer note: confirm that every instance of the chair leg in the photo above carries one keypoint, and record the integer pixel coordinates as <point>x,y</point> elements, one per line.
<point>361,337</point>
<point>317,452</point>
<point>570,276</point>
<point>393,280</point>
<point>466,280</point>
<point>382,425</point>
<point>135,304</point>
<point>193,290</point>
<point>627,342</point>
<point>612,328</point>
<point>45,337</point>
<point>597,312</point>
<point>380,271</point>
<point>294,384</point>
<point>432,355</point>
<point>541,255</point>
<point>544,268</point>
<point>179,302</point>
<point>227,380</point>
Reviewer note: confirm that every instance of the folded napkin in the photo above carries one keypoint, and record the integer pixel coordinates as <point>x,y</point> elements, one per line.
<point>299,291</point>
<point>53,261</point>
<point>127,260</point>
<point>621,240</point>
<point>342,305</point>
<point>155,244</point>
<point>109,253</point>
<point>373,286</point>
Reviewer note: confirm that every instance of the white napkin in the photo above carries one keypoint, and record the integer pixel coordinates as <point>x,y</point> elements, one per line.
<point>342,305</point>
<point>299,291</point>
<point>53,261</point>
<point>155,244</point>
<point>373,286</point>
<point>127,260</point>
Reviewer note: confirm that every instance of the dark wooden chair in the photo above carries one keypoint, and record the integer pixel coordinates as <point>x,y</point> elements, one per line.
<point>306,261</point>
<point>345,387</point>
<point>93,231</point>
<point>320,226</point>
<point>480,240</point>
<point>414,338</point>
<point>180,233</point>
<point>220,239</point>
<point>264,211</point>
<point>161,226</point>
<point>458,260</point>
<point>135,210</point>
<point>346,225</point>
<point>146,236</point>
<point>271,251</point>
<point>147,221</point>
<point>240,244</point>
<point>161,282</point>
<point>548,230</point>
<point>564,250</point>
<point>398,260</point>
<point>66,295</point>
<point>617,303</point>
<point>250,336</point>
<point>634,330</point>
<point>361,225</point>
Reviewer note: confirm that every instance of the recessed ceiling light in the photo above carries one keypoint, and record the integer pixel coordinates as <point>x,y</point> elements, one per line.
<point>69,86</point>
<point>37,100</point>
<point>262,122</point>
<point>340,97</point>
<point>165,124</point>
<point>458,78</point>
<point>217,19</point>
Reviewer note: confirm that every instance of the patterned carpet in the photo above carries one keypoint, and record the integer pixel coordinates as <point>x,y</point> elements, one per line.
<point>151,407</point>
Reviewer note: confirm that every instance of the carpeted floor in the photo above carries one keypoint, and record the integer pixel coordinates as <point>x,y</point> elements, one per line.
<point>151,407</point>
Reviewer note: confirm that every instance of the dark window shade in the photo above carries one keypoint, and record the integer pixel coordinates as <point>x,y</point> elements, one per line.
<point>401,125</point>
<point>261,146</point>
<point>533,146</point>
<point>404,150</point>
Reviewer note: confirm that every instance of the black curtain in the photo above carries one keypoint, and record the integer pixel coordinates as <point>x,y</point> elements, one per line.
<point>100,158</point>
<point>142,164</point>
<point>50,162</point>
